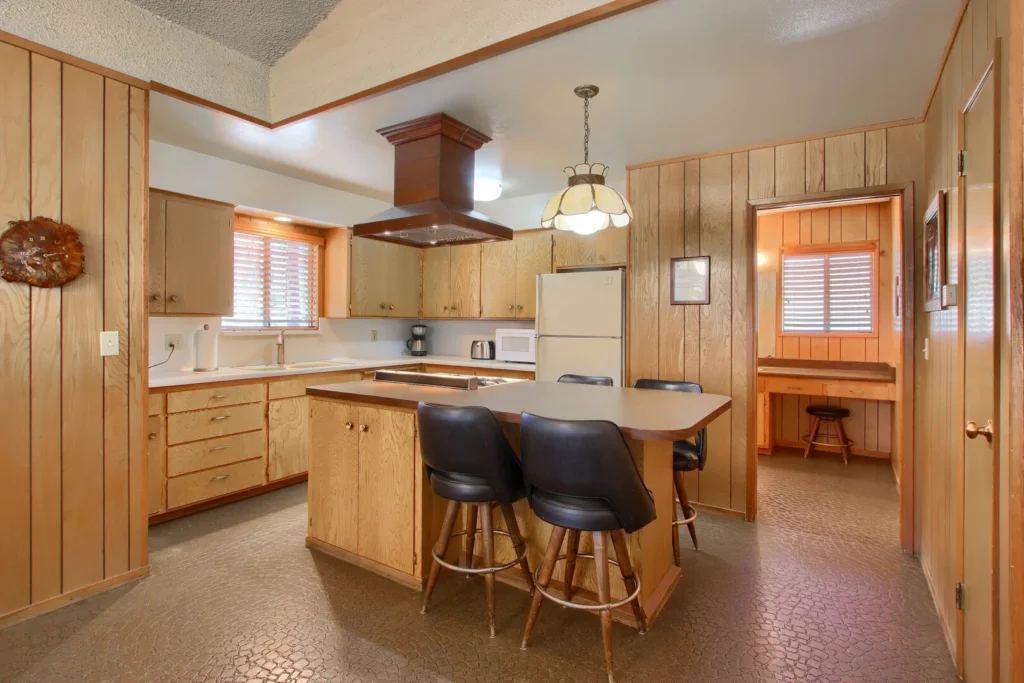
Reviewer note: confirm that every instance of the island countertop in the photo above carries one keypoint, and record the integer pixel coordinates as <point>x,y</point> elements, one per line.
<point>641,414</point>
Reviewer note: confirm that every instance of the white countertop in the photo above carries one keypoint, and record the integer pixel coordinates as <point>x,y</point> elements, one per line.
<point>159,380</point>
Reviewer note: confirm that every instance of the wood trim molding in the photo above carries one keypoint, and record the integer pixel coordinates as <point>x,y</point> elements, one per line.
<point>258,226</point>
<point>224,500</point>
<point>179,195</point>
<point>171,91</point>
<point>65,599</point>
<point>945,56</point>
<point>64,57</point>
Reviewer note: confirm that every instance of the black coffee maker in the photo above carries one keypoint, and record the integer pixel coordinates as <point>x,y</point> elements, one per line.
<point>418,344</point>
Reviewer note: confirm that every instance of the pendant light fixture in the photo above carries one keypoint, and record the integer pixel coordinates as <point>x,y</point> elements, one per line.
<point>587,205</point>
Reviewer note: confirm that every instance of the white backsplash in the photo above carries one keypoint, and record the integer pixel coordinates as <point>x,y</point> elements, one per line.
<point>337,339</point>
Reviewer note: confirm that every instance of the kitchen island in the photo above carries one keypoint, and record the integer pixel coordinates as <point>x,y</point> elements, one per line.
<point>370,503</point>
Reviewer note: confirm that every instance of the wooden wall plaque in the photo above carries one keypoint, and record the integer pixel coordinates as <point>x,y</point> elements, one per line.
<point>41,252</point>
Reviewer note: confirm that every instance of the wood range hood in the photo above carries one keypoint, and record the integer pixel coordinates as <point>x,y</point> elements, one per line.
<point>433,187</point>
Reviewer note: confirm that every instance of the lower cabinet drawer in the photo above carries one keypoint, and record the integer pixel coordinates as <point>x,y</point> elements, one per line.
<point>202,455</point>
<point>208,424</point>
<point>787,385</point>
<point>872,391</point>
<point>214,396</point>
<point>199,486</point>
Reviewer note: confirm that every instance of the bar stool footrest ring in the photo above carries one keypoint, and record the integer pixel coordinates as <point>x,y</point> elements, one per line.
<point>692,517</point>
<point>575,605</point>
<point>479,570</point>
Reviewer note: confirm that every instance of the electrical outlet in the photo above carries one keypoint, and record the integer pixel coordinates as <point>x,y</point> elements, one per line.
<point>176,340</point>
<point>373,335</point>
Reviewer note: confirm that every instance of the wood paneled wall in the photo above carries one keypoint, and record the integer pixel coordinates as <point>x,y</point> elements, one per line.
<point>869,424</point>
<point>698,206</point>
<point>73,147</point>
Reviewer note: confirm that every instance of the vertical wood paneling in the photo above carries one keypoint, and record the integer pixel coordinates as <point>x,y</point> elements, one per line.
<point>855,223</point>
<point>82,397</point>
<point>691,229</point>
<point>819,226</point>
<point>46,351</point>
<point>15,350</point>
<point>874,157</point>
<point>643,275</point>
<point>743,313</point>
<point>138,348</point>
<point>790,169</point>
<point>672,323</point>
<point>981,40</point>
<point>761,163</point>
<point>815,166</point>
<point>844,161</point>
<point>716,321</point>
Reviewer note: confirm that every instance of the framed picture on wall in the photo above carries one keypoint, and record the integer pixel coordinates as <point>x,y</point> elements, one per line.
<point>935,252</point>
<point>691,280</point>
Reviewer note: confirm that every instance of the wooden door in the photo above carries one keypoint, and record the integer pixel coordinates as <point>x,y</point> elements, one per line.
<point>157,217</point>
<point>465,281</point>
<point>368,277</point>
<point>437,294</point>
<point>981,386</point>
<point>533,258</point>
<point>288,444</point>
<point>333,474</point>
<point>403,283</point>
<point>387,457</point>
<point>498,279</point>
<point>199,258</point>
<point>157,440</point>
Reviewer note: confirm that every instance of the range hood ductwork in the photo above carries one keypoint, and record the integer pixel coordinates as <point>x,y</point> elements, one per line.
<point>434,168</point>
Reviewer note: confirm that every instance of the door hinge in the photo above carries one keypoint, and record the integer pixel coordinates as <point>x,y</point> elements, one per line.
<point>961,163</point>
<point>959,595</point>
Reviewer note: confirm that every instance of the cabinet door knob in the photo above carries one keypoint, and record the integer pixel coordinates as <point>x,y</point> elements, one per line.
<point>363,428</point>
<point>348,425</point>
<point>174,297</point>
<point>511,307</point>
<point>391,307</point>
<point>446,308</point>
<point>154,297</point>
<point>382,307</point>
<point>520,307</point>
<point>152,435</point>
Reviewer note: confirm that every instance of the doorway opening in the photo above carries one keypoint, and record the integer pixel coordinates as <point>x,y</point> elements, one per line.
<point>833,414</point>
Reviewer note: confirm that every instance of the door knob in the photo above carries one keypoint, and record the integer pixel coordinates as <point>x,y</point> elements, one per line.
<point>973,430</point>
<point>348,425</point>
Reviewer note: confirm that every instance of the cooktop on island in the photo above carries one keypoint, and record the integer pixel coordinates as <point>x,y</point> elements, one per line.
<point>451,381</point>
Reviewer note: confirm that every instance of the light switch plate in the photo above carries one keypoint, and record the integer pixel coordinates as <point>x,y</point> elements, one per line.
<point>109,343</point>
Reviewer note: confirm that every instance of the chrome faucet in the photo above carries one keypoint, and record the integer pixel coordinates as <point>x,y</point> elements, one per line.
<point>280,348</point>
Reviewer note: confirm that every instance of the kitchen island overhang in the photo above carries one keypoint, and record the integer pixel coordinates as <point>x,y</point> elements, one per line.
<point>370,502</point>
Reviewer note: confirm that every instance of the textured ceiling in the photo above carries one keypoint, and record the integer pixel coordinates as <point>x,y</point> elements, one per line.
<point>262,29</point>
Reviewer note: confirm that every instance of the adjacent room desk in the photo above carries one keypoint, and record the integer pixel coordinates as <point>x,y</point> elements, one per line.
<point>829,379</point>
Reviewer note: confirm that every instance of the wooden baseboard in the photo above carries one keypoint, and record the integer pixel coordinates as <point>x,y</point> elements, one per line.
<point>831,449</point>
<point>224,500</point>
<point>376,567</point>
<point>947,629</point>
<point>65,599</point>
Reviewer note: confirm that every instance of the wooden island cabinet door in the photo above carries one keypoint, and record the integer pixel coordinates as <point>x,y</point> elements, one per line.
<point>288,444</point>
<point>465,281</point>
<point>387,461</point>
<point>498,279</point>
<point>437,295</point>
<point>334,474</point>
<point>533,258</point>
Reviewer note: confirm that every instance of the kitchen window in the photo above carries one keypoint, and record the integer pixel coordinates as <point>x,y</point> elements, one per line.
<point>829,290</point>
<point>276,282</point>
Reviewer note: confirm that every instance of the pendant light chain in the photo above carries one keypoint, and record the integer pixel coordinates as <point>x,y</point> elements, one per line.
<point>586,129</point>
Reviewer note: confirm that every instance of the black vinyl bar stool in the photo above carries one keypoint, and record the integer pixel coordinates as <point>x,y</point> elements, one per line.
<point>828,415</point>
<point>580,476</point>
<point>687,456</point>
<point>470,462</point>
<point>586,379</point>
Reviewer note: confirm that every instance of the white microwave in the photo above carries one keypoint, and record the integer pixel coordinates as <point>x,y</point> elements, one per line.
<point>517,346</point>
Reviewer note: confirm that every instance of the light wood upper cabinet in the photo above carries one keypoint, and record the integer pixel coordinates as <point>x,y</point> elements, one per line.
<point>533,258</point>
<point>437,289</point>
<point>403,285</point>
<point>498,279</point>
<point>605,248</point>
<point>288,444</point>
<point>384,279</point>
<point>336,273</point>
<point>465,281</point>
<point>191,256</point>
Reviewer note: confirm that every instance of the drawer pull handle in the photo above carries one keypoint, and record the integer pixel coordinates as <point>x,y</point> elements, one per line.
<point>219,418</point>
<point>220,477</point>
<point>216,397</point>
<point>856,391</point>
<point>348,425</point>
<point>152,435</point>
<point>219,448</point>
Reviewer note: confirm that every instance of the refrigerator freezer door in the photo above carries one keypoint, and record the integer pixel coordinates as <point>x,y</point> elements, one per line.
<point>586,304</point>
<point>557,356</point>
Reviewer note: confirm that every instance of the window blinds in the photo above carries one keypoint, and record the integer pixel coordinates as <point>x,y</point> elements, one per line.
<point>828,292</point>
<point>275,284</point>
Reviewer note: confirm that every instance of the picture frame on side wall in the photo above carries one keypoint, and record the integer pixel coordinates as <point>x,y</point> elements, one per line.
<point>935,252</point>
<point>691,281</point>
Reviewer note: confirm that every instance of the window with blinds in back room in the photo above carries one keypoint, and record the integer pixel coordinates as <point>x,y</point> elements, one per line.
<point>276,284</point>
<point>829,292</point>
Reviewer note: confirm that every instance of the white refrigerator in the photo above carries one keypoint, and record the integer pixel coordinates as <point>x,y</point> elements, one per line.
<point>581,324</point>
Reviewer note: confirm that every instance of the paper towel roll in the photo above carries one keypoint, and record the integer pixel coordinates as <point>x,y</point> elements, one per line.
<point>206,349</point>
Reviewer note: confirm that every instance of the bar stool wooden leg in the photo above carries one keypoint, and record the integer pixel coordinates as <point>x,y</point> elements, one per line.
<point>572,548</point>
<point>675,535</point>
<point>517,542</point>
<point>547,567</point>
<point>604,594</point>
<point>845,441</point>
<point>628,577</point>
<point>815,425</point>
<point>684,500</point>
<point>441,547</point>
<point>470,534</point>
<point>487,522</point>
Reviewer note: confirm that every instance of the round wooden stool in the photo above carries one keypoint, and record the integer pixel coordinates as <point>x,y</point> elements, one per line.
<point>828,415</point>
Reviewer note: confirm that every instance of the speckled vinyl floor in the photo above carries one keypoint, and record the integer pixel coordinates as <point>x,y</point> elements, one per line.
<point>817,590</point>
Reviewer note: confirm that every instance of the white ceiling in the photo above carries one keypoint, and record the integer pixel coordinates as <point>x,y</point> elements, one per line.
<point>677,77</point>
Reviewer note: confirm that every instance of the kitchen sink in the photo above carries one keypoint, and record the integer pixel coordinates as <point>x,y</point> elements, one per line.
<point>304,365</point>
